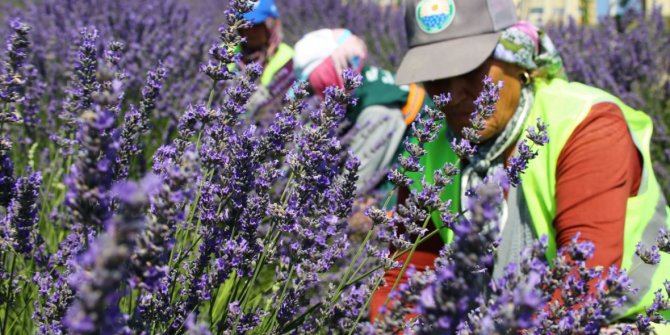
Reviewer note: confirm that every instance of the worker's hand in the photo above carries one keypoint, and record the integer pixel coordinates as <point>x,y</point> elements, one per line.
<point>353,48</point>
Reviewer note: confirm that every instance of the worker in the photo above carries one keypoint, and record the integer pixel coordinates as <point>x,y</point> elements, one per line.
<point>594,177</point>
<point>264,45</point>
<point>379,119</point>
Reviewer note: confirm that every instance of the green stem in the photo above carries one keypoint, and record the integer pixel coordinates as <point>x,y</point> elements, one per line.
<point>211,305</point>
<point>8,295</point>
<point>339,288</point>
<point>360,267</point>
<point>366,274</point>
<point>397,254</point>
<point>130,304</point>
<point>211,94</point>
<point>365,306</point>
<point>359,252</point>
<point>406,264</point>
<point>284,193</point>
<point>231,296</point>
<point>257,270</point>
<point>282,297</point>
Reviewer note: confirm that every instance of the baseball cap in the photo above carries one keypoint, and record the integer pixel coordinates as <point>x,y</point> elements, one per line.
<point>448,38</point>
<point>263,9</point>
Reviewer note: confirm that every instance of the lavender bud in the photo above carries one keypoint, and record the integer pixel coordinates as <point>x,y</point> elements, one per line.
<point>21,219</point>
<point>649,256</point>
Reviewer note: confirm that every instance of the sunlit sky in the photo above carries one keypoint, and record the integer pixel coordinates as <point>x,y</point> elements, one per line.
<point>602,6</point>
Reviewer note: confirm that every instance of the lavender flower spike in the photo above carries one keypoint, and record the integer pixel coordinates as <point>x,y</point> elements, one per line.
<point>12,81</point>
<point>485,105</point>
<point>6,172</point>
<point>649,256</point>
<point>21,219</point>
<point>102,268</point>
<point>519,163</point>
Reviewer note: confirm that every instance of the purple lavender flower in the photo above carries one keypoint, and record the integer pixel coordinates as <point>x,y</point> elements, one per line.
<point>102,268</point>
<point>193,328</point>
<point>466,145</point>
<point>82,85</point>
<point>85,69</point>
<point>539,136</point>
<point>152,31</point>
<point>524,154</point>
<point>345,188</point>
<point>49,317</point>
<point>12,78</point>
<point>114,53</point>
<point>425,130</point>
<point>462,274</point>
<point>149,268</point>
<point>150,94</point>
<point>485,106</point>
<point>653,314</point>
<point>6,172</point>
<point>281,130</point>
<point>463,147</point>
<point>580,309</point>
<point>224,53</point>
<point>352,80</point>
<point>20,223</point>
<point>649,256</point>
<point>136,123</point>
<point>90,177</point>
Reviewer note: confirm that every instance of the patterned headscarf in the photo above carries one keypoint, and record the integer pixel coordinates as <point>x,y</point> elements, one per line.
<point>528,46</point>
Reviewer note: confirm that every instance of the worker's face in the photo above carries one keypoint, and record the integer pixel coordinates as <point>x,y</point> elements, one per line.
<point>257,39</point>
<point>464,90</point>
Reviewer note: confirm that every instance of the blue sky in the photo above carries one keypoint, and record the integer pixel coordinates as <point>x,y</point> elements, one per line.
<point>602,6</point>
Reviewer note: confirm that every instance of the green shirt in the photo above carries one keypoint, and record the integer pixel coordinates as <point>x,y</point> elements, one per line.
<point>379,88</point>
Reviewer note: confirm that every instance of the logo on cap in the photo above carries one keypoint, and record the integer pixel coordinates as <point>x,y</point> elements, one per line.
<point>434,16</point>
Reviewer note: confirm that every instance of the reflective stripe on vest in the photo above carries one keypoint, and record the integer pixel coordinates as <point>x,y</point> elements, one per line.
<point>563,106</point>
<point>283,55</point>
<point>415,99</point>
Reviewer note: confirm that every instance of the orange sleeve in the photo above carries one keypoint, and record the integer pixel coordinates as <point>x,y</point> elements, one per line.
<point>598,169</point>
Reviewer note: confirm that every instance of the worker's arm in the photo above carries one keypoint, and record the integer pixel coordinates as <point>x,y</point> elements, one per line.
<point>597,171</point>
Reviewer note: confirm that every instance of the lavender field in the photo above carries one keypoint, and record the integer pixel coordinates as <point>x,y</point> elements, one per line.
<point>139,195</point>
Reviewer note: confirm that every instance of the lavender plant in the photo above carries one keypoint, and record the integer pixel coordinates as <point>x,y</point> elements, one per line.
<point>140,36</point>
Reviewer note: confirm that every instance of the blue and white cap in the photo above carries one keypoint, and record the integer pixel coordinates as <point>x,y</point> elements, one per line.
<point>263,10</point>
